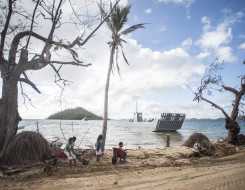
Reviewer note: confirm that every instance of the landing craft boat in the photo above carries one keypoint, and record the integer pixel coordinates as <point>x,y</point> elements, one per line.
<point>170,122</point>
<point>137,116</point>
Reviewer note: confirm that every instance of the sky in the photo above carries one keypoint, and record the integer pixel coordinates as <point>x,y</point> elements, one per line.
<point>180,39</point>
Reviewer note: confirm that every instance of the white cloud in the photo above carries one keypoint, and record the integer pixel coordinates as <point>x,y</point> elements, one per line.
<point>203,55</point>
<point>187,42</point>
<point>155,41</point>
<point>242,46</point>
<point>215,39</point>
<point>158,72</point>
<point>123,3</point>
<point>226,11</point>
<point>242,36</point>
<point>186,3</point>
<point>225,53</point>
<point>162,28</point>
<point>206,20</point>
<point>240,14</point>
<point>148,11</point>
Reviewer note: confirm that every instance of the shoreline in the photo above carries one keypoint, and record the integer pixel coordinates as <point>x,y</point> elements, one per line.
<point>159,168</point>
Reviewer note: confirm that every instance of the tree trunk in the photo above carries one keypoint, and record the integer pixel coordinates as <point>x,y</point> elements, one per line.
<point>230,123</point>
<point>104,130</point>
<point>9,116</point>
<point>233,130</point>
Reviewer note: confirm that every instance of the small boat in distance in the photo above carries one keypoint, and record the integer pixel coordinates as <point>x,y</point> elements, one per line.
<point>21,127</point>
<point>137,116</point>
<point>170,122</point>
<point>85,119</point>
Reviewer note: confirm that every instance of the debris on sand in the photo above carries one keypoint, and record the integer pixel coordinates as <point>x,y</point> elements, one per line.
<point>200,144</point>
<point>25,149</point>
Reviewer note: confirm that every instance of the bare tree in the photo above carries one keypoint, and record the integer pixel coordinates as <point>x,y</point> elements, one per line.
<point>211,81</point>
<point>23,48</point>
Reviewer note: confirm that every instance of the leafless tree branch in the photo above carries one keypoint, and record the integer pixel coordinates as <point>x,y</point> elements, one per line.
<point>216,106</point>
<point>27,80</point>
<point>25,96</point>
<point>234,91</point>
<point>32,22</point>
<point>6,26</point>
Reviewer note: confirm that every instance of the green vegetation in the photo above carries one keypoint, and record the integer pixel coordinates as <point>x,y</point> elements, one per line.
<point>75,114</point>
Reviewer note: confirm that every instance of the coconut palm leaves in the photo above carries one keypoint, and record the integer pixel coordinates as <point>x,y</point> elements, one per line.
<point>116,25</point>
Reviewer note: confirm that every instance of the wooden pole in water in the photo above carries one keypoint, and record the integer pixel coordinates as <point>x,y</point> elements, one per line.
<point>37,127</point>
<point>168,140</point>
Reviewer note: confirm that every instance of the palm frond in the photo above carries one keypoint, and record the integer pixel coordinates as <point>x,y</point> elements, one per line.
<point>119,17</point>
<point>124,16</point>
<point>125,59</point>
<point>110,25</point>
<point>118,68</point>
<point>122,40</point>
<point>131,29</point>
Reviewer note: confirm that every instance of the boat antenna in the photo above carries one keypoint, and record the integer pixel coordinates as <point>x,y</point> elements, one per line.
<point>136,108</point>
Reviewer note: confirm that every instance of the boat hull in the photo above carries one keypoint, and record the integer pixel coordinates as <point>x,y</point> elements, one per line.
<point>170,122</point>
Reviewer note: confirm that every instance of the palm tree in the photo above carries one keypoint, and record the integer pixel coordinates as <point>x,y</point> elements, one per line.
<point>116,23</point>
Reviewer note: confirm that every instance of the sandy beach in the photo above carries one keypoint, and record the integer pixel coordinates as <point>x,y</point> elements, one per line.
<point>166,168</point>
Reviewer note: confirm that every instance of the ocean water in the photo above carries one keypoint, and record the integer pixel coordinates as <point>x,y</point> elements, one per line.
<point>133,135</point>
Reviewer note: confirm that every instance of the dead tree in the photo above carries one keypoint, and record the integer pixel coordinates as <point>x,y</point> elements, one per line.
<point>19,34</point>
<point>211,79</point>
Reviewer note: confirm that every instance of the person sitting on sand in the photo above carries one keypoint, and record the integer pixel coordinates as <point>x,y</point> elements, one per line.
<point>121,154</point>
<point>69,151</point>
<point>74,139</point>
<point>120,145</point>
<point>98,148</point>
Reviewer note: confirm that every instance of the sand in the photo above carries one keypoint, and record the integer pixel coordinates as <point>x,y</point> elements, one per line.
<point>167,168</point>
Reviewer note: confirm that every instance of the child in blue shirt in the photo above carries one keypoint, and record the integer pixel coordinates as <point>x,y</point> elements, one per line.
<point>98,148</point>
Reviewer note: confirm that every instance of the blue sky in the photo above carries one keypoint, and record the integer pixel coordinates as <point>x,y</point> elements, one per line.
<point>179,21</point>
<point>181,39</point>
<point>172,22</point>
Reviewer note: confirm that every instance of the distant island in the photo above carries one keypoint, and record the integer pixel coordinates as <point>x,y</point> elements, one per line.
<point>75,114</point>
<point>242,117</point>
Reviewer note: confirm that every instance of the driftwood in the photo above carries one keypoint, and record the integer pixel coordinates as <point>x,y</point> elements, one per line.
<point>17,170</point>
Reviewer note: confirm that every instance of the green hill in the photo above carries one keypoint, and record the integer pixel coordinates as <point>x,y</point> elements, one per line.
<point>75,114</point>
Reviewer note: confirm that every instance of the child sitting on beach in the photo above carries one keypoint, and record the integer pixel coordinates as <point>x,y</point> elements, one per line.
<point>121,154</point>
<point>98,148</point>
<point>69,151</point>
<point>120,145</point>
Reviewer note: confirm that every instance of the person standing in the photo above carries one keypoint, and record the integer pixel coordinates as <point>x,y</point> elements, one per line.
<point>69,151</point>
<point>98,148</point>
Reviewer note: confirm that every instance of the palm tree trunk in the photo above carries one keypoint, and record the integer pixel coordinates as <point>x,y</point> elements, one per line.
<point>104,130</point>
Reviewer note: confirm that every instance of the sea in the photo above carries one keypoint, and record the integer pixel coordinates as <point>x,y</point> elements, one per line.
<point>133,135</point>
